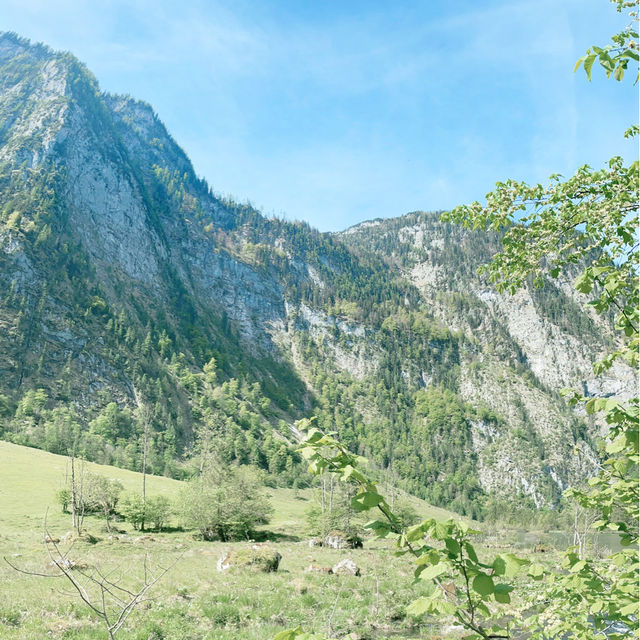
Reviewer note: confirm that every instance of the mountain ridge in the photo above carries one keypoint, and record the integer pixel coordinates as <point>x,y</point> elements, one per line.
<point>125,276</point>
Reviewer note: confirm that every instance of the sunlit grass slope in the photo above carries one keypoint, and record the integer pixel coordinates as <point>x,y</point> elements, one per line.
<point>193,601</point>
<point>30,478</point>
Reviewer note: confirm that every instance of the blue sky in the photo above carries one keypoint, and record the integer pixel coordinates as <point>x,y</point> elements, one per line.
<point>336,112</point>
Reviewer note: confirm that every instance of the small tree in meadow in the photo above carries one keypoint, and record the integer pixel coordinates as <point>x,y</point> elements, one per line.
<point>132,509</point>
<point>225,503</point>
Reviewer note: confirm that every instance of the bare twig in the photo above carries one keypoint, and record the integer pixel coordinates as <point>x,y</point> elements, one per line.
<point>100,591</point>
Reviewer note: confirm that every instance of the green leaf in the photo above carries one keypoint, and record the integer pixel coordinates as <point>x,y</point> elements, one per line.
<point>431,556</point>
<point>483,584</point>
<point>420,606</point>
<point>471,552</point>
<point>308,452</point>
<point>578,566</point>
<point>416,532</point>
<point>617,445</point>
<point>366,500</point>
<point>501,593</point>
<point>630,609</point>
<point>499,566</point>
<point>433,571</point>
<point>508,565</point>
<point>441,530</point>
<point>452,546</point>
<point>445,607</point>
<point>380,528</point>
<point>536,571</point>
<point>347,471</point>
<point>588,64</point>
<point>583,283</point>
<point>313,436</point>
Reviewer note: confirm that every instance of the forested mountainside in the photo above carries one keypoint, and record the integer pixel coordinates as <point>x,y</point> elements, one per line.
<point>131,295</point>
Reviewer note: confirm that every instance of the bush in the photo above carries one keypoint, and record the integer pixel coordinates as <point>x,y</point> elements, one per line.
<point>225,504</point>
<point>157,511</point>
<point>132,509</point>
<point>154,512</point>
<point>63,498</point>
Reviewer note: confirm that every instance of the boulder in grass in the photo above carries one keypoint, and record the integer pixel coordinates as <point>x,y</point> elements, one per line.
<point>256,557</point>
<point>336,540</point>
<point>346,567</point>
<point>339,540</point>
<point>316,542</point>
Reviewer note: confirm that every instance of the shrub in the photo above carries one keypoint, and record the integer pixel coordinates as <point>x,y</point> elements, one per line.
<point>225,504</point>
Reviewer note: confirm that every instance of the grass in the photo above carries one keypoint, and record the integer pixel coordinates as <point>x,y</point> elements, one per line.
<point>193,601</point>
<point>30,478</point>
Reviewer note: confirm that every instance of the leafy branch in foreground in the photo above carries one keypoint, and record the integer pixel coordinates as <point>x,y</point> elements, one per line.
<point>586,225</point>
<point>458,583</point>
<point>614,58</point>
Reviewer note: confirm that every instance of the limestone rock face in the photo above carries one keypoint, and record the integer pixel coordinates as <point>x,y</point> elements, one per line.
<point>519,352</point>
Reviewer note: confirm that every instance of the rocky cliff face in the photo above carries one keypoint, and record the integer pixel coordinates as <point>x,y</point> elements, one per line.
<point>123,274</point>
<point>526,348</point>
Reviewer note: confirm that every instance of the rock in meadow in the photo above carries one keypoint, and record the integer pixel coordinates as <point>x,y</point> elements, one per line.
<point>256,557</point>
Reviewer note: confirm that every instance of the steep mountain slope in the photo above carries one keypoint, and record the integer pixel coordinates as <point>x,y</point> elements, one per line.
<point>525,348</point>
<point>133,297</point>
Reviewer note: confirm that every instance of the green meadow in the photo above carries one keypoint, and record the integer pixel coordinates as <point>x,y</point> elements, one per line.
<point>193,600</point>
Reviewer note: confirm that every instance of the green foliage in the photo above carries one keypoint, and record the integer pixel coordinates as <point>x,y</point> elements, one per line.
<point>225,503</point>
<point>132,509</point>
<point>157,511</point>
<point>63,498</point>
<point>615,58</point>
<point>100,493</point>
<point>153,513</point>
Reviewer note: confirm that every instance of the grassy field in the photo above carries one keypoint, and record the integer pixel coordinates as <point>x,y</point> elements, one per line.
<point>193,601</point>
<point>30,478</point>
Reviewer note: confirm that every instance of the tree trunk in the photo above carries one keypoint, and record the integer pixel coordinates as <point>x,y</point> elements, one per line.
<point>144,473</point>
<point>74,503</point>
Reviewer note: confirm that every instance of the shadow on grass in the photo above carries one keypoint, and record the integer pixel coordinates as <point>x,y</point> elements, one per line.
<point>272,536</point>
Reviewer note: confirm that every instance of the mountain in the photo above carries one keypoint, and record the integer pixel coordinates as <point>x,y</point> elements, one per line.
<point>133,300</point>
